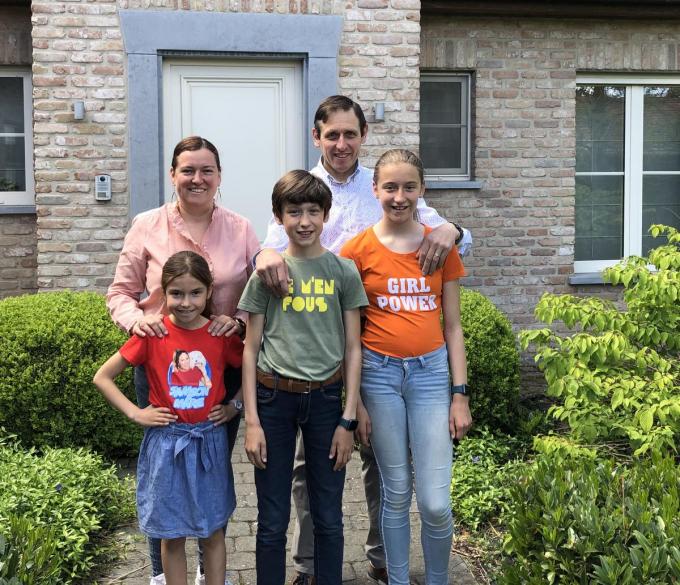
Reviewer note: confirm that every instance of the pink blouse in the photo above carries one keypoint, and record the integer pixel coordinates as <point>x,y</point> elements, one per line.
<point>228,245</point>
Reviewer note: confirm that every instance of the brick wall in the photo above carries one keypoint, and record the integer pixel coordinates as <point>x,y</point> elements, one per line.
<point>17,232</point>
<point>524,139</point>
<point>78,54</point>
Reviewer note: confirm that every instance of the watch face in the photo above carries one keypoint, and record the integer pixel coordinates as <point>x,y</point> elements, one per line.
<point>350,425</point>
<point>238,405</point>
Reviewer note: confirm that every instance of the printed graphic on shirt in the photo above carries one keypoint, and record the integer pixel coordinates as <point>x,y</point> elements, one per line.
<point>407,294</point>
<point>309,295</point>
<point>189,379</point>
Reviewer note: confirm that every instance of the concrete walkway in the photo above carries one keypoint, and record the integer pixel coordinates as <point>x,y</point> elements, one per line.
<point>134,568</point>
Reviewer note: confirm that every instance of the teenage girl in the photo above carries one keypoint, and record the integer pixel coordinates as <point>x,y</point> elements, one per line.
<point>414,408</point>
<point>185,484</point>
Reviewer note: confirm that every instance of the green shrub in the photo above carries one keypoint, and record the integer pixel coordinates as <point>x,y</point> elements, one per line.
<point>580,520</point>
<point>69,492</point>
<point>484,468</point>
<point>492,361</point>
<point>28,554</point>
<point>617,378</point>
<point>51,345</point>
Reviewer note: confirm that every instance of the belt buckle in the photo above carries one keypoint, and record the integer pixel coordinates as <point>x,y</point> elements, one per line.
<point>308,387</point>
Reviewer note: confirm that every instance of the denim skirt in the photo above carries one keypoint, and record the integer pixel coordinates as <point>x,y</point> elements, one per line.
<point>185,484</point>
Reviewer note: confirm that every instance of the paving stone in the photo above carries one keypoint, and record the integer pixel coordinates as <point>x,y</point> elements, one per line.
<point>134,567</point>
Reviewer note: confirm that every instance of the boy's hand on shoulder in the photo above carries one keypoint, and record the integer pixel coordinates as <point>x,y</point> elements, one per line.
<point>152,416</point>
<point>273,272</point>
<point>341,447</point>
<point>256,446</point>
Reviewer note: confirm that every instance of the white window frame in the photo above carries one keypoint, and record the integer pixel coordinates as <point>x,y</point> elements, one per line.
<point>467,147</point>
<point>22,201</point>
<point>633,162</point>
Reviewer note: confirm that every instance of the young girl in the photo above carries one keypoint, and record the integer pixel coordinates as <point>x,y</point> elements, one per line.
<point>184,478</point>
<point>415,411</point>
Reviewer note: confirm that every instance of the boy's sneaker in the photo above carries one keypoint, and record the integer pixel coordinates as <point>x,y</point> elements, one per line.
<point>303,579</point>
<point>200,579</point>
<point>158,580</point>
<point>379,575</point>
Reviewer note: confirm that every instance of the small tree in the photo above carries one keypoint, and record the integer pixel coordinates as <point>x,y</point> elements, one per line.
<point>618,376</point>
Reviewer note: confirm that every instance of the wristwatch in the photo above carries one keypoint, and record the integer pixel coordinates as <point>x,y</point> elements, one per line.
<point>242,324</point>
<point>237,404</point>
<point>460,389</point>
<point>348,423</point>
<point>459,239</point>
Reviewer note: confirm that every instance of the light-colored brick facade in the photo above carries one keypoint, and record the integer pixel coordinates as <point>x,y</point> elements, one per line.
<point>523,128</point>
<point>523,118</point>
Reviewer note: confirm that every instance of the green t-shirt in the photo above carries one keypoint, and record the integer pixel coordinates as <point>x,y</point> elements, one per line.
<point>304,334</point>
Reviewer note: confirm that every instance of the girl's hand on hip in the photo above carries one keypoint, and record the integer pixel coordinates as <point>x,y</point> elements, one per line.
<point>256,446</point>
<point>222,413</point>
<point>341,447</point>
<point>151,325</point>
<point>460,419</point>
<point>223,325</point>
<point>153,416</point>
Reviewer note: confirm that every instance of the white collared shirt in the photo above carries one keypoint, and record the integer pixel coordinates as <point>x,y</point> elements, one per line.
<point>354,209</point>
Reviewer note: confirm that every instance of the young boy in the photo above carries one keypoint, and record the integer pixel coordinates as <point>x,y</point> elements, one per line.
<point>298,351</point>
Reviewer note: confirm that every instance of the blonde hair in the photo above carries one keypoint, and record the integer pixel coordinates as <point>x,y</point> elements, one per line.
<point>399,155</point>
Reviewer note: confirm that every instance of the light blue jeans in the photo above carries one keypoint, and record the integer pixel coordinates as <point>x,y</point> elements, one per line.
<point>408,401</point>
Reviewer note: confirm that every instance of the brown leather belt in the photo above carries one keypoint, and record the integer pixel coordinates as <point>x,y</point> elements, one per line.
<point>276,382</point>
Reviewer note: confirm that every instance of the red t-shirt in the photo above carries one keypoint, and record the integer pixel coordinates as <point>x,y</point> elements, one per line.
<point>402,318</point>
<point>185,368</point>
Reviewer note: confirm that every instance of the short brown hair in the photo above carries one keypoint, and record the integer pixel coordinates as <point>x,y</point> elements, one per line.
<point>297,187</point>
<point>194,143</point>
<point>333,104</point>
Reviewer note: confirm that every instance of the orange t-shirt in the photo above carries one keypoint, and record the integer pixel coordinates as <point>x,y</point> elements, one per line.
<point>402,318</point>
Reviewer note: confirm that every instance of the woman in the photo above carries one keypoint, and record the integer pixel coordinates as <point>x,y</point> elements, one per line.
<point>193,222</point>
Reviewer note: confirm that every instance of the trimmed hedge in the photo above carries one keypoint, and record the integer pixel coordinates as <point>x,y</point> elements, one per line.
<point>492,361</point>
<point>51,345</point>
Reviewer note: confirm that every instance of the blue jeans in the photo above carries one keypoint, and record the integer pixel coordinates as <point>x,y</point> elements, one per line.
<point>316,414</point>
<point>408,401</point>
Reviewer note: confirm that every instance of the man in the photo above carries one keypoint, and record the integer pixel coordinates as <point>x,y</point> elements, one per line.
<point>340,129</point>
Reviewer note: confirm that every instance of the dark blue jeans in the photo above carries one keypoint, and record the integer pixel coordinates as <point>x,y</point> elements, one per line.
<point>316,414</point>
<point>232,382</point>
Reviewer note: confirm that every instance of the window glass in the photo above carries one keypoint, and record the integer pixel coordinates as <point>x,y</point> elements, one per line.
<point>12,164</point>
<point>599,217</point>
<point>12,105</point>
<point>444,126</point>
<point>600,128</point>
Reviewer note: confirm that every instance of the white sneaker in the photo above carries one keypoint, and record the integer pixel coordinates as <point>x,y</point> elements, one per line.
<point>158,580</point>
<point>200,579</point>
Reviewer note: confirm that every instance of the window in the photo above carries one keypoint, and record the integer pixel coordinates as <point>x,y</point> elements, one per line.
<point>627,166</point>
<point>16,141</point>
<point>445,125</point>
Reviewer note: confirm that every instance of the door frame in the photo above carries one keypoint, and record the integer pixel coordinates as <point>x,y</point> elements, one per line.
<point>149,36</point>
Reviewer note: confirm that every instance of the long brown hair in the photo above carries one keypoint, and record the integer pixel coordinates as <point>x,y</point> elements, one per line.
<point>188,262</point>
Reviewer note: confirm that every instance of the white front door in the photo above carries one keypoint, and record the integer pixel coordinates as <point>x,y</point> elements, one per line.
<point>252,111</point>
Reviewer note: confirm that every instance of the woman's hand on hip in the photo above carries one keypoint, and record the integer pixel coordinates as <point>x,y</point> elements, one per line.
<point>273,272</point>
<point>151,325</point>
<point>224,325</point>
<point>460,419</point>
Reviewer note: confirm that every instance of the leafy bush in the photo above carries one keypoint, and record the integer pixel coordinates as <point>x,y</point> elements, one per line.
<point>618,377</point>
<point>28,554</point>
<point>483,470</point>
<point>583,520</point>
<point>492,362</point>
<point>51,345</point>
<point>70,497</point>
